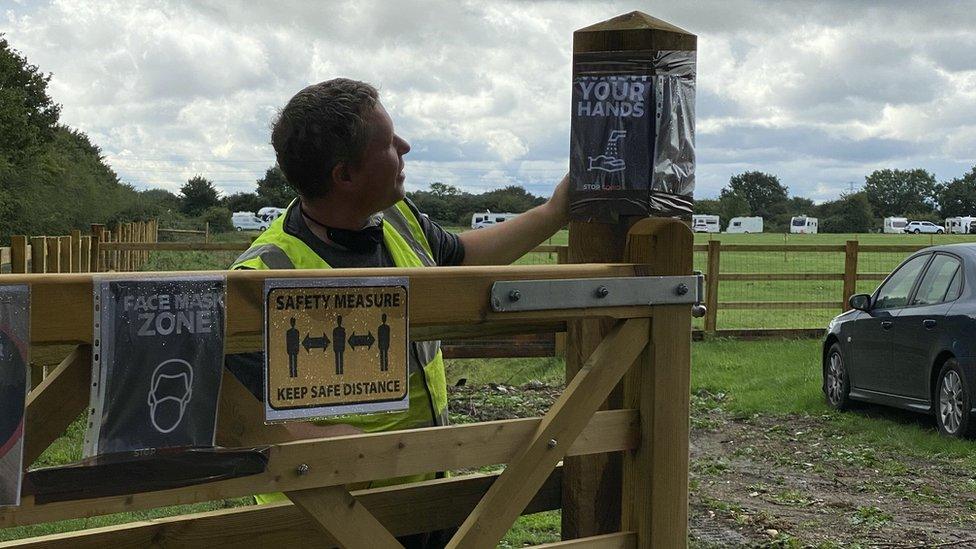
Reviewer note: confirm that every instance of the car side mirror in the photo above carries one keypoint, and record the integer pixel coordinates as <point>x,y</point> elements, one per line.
<point>861,302</point>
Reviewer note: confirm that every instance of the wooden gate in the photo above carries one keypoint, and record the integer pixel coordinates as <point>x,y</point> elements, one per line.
<point>647,350</point>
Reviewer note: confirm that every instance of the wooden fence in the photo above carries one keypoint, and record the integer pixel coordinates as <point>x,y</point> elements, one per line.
<point>850,276</point>
<point>102,250</point>
<point>648,351</point>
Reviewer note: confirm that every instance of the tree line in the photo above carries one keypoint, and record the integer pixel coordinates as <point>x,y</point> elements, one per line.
<point>915,194</point>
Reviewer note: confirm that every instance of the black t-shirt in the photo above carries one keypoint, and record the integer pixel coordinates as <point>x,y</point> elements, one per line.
<point>446,247</point>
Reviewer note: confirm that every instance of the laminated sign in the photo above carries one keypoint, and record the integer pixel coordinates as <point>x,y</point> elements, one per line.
<point>335,346</point>
<point>156,364</point>
<point>14,384</point>
<point>632,146</point>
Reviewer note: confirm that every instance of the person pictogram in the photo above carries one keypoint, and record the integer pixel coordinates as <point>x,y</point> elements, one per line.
<point>383,340</point>
<point>292,345</point>
<point>338,344</point>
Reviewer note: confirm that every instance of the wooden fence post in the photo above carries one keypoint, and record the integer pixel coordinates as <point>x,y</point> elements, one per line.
<point>95,259</point>
<point>206,231</point>
<point>52,263</point>
<point>38,254</point>
<point>711,290</point>
<point>75,251</point>
<point>84,257</point>
<point>655,474</point>
<point>592,484</point>
<point>64,247</point>
<point>18,254</point>
<point>850,272</point>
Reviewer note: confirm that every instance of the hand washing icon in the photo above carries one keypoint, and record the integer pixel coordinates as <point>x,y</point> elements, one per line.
<point>608,161</point>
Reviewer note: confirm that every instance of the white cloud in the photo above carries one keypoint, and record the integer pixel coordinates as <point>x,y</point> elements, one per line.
<point>819,94</point>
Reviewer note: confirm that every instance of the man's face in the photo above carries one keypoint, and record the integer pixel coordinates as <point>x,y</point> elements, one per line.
<point>378,180</point>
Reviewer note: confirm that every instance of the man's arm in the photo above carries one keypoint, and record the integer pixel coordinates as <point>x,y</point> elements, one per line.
<point>505,242</point>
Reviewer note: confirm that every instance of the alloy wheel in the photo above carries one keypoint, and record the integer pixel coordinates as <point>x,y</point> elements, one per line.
<point>835,379</point>
<point>950,402</point>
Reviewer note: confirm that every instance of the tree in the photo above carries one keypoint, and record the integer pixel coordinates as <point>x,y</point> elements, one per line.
<point>274,190</point>
<point>898,192</point>
<point>443,190</point>
<point>958,197</point>
<point>850,214</point>
<point>708,206</point>
<point>243,202</point>
<point>28,116</point>
<point>762,191</point>
<point>197,195</point>
<point>732,205</point>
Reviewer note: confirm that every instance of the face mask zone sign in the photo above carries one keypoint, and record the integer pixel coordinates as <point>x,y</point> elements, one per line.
<point>335,347</point>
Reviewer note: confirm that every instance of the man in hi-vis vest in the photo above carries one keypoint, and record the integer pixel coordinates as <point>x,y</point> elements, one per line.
<point>337,147</point>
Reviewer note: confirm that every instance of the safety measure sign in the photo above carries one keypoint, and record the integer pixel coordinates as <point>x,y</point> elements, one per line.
<point>335,346</point>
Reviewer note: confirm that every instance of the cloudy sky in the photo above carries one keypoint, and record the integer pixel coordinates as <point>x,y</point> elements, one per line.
<point>818,93</point>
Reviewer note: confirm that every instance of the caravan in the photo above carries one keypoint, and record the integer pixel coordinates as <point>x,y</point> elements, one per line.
<point>802,224</point>
<point>895,225</point>
<point>269,213</point>
<point>959,225</point>
<point>705,224</point>
<point>745,225</point>
<point>487,219</point>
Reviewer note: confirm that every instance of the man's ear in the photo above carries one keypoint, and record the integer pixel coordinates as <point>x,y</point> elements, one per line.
<point>340,174</point>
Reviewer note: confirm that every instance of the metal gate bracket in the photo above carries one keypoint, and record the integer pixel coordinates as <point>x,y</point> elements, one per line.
<point>579,293</point>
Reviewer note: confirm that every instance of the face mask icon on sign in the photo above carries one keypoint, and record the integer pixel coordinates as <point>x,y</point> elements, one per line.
<point>169,393</point>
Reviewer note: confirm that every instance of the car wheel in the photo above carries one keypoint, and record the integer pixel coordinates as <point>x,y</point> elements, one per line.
<point>917,231</point>
<point>940,231</point>
<point>240,228</point>
<point>837,384</point>
<point>953,402</point>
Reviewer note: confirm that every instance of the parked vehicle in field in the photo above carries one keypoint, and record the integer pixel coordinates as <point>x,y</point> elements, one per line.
<point>745,225</point>
<point>894,225</point>
<point>916,227</point>
<point>705,223</point>
<point>487,219</point>
<point>959,225</point>
<point>802,224</point>
<point>912,343</point>
<point>270,213</point>
<point>247,221</point>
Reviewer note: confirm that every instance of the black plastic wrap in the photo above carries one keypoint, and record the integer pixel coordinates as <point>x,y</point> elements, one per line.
<point>14,384</point>
<point>632,145</point>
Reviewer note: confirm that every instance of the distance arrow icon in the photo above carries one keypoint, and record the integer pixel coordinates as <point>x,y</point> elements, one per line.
<point>362,340</point>
<point>315,343</point>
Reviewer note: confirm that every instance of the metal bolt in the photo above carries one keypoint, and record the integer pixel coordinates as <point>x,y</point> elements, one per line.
<point>602,291</point>
<point>302,469</point>
<point>514,295</point>
<point>682,289</point>
<point>552,443</point>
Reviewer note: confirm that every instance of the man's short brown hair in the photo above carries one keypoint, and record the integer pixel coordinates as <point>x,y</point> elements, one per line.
<point>322,125</point>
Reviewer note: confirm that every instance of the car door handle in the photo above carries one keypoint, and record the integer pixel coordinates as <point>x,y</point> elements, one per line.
<point>886,325</point>
<point>929,323</point>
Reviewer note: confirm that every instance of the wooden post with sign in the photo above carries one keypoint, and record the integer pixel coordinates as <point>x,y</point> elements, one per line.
<point>592,484</point>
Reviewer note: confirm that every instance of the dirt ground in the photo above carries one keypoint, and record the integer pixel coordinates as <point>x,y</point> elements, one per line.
<point>790,481</point>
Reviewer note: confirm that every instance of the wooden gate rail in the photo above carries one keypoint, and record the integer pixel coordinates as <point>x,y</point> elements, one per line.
<point>421,507</point>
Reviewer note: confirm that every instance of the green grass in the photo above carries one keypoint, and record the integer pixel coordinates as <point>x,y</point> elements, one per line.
<point>784,377</point>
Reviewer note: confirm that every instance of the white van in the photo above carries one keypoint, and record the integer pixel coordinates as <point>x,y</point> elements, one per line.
<point>487,219</point>
<point>745,225</point>
<point>247,221</point>
<point>705,223</point>
<point>269,213</point>
<point>802,224</point>
<point>959,225</point>
<point>894,225</point>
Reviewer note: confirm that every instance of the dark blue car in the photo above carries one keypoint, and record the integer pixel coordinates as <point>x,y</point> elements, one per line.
<point>911,343</point>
